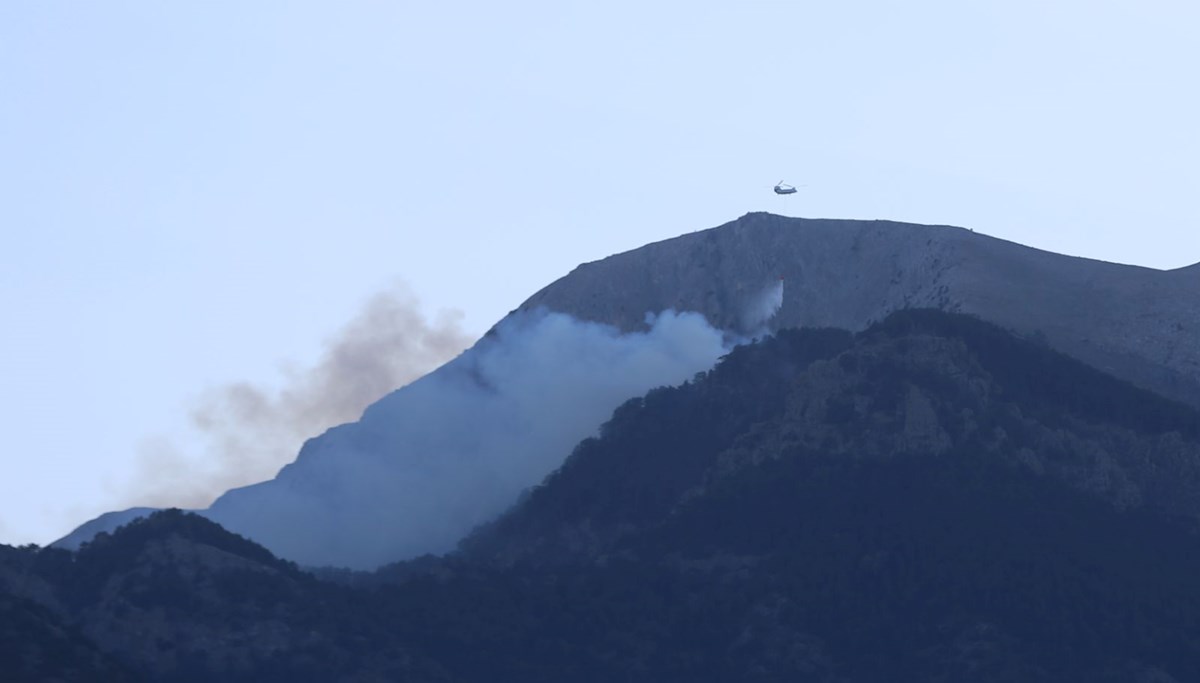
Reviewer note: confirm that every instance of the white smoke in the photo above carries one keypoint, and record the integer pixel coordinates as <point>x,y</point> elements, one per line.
<point>762,308</point>
<point>430,462</point>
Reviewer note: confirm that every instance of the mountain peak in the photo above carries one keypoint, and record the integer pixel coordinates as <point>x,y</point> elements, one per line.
<point>1129,320</point>
<point>391,486</point>
<point>159,526</point>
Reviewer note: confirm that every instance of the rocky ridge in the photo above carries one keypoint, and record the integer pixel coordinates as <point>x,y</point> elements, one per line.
<point>1138,323</point>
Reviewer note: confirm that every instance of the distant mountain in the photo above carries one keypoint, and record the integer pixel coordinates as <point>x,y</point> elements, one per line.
<point>930,499</point>
<point>431,461</point>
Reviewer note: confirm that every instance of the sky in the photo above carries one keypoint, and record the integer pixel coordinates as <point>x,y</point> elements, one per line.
<point>239,209</point>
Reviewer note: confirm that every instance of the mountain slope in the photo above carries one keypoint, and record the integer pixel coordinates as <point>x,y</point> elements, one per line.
<point>1138,323</point>
<point>175,597</point>
<point>408,478</point>
<point>932,499</point>
<point>427,463</point>
<point>922,383</point>
<point>36,646</point>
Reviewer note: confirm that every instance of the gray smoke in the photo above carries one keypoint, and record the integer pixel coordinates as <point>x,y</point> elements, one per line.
<point>431,461</point>
<point>250,431</point>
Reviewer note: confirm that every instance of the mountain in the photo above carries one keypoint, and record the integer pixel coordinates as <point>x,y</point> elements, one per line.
<point>930,499</point>
<point>921,386</point>
<point>408,479</point>
<point>38,645</point>
<point>174,597</point>
<point>1140,324</point>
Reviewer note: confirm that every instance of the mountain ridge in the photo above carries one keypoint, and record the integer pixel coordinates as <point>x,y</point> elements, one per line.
<point>931,499</point>
<point>1130,320</point>
<point>644,310</point>
<point>929,382</point>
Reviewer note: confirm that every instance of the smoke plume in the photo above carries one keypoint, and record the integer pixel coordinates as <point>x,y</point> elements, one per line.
<point>250,431</point>
<point>429,462</point>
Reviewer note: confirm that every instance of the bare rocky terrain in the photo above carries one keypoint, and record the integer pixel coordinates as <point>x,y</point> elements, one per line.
<point>1140,324</point>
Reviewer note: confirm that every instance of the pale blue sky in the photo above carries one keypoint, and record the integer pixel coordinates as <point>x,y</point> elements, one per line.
<point>194,193</point>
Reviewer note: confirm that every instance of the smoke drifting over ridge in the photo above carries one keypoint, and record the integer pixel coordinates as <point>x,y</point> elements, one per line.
<point>431,461</point>
<point>251,431</point>
<point>428,463</point>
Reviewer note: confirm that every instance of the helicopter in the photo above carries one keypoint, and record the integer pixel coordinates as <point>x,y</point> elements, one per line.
<point>781,188</point>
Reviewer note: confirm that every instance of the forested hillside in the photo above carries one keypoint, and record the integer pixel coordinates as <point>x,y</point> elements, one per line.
<point>932,499</point>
